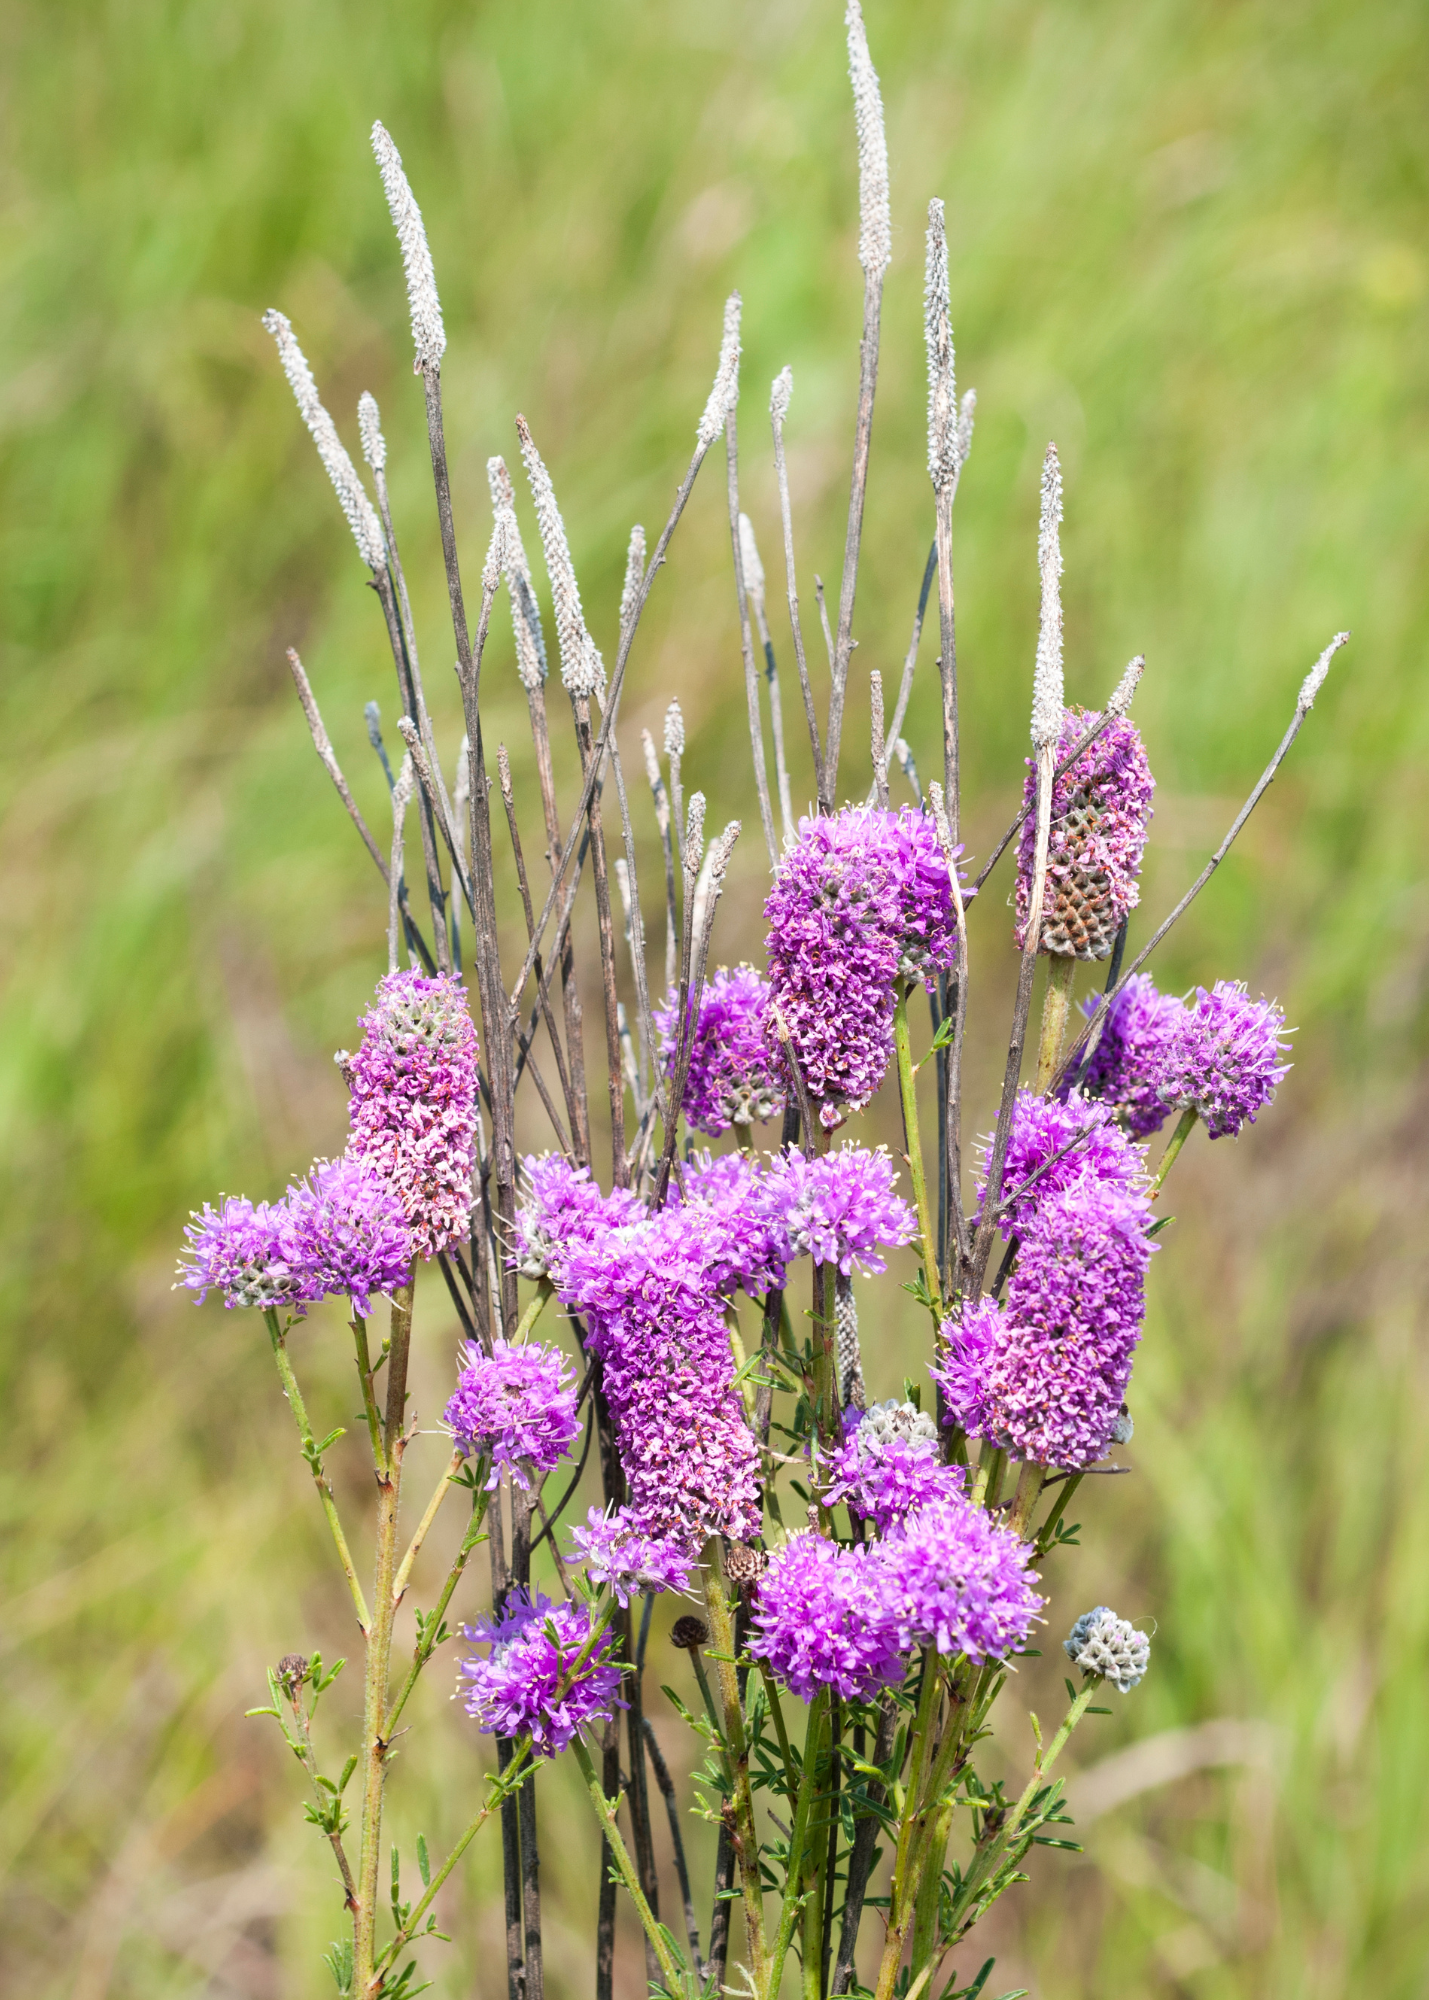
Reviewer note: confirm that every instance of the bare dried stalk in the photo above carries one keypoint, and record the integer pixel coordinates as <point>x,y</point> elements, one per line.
<point>401,799</point>
<point>746,641</point>
<point>691,988</point>
<point>325,750</point>
<point>910,658</point>
<point>754,588</point>
<point>880,765</point>
<point>662,821</point>
<point>615,1082</point>
<point>953,1166</point>
<point>778,410</point>
<point>508,799</point>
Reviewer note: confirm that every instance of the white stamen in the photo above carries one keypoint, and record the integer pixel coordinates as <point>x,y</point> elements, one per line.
<point>726,381</point>
<point>369,429</point>
<point>582,669</point>
<point>943,459</point>
<point>428,334</point>
<point>1315,679</point>
<point>351,494</point>
<point>875,225</point>
<point>1047,700</point>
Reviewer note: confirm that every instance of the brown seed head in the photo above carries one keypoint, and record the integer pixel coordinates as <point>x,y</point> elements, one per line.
<point>689,1633</point>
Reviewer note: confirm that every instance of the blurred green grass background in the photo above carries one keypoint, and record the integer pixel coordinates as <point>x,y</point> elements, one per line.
<point>1188,242</point>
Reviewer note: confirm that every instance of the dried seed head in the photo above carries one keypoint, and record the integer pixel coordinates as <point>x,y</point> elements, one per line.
<point>369,429</point>
<point>967,410</point>
<point>943,459</point>
<point>753,568</point>
<point>652,760</point>
<point>1110,1647</point>
<point>1047,678</point>
<point>525,616</point>
<point>689,1633</point>
<point>291,1671</point>
<point>694,833</point>
<point>720,852</point>
<point>428,335</point>
<point>582,669</point>
<point>634,576</point>
<point>351,494</point>
<point>875,225</point>
<point>1315,679</point>
<point>674,731</point>
<point>1119,700</point>
<point>726,381</point>
<point>779,394</point>
<point>494,567</point>
<point>744,1564</point>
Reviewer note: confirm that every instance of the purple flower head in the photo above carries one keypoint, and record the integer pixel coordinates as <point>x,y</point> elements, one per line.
<point>349,1232</point>
<point>1041,1127</point>
<point>734,1075</point>
<point>413,1109</point>
<point>1100,811</point>
<point>747,1247</point>
<point>824,1619</point>
<point>861,899</point>
<point>563,1209</point>
<point>839,1209</point>
<point>1224,1059</point>
<point>529,1679</point>
<point>960,1581</point>
<point>516,1406</point>
<point>1045,1376</point>
<point>889,1465</point>
<point>1141,1026</point>
<point>616,1551</point>
<point>247,1251</point>
<point>655,1311</point>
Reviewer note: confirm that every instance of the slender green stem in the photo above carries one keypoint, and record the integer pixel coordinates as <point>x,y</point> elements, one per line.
<point>799,1840</point>
<point>1185,1124</point>
<point>454,1466</point>
<point>1059,1508</point>
<point>912,1138</point>
<point>605,1808</point>
<point>925,1911</point>
<point>379,1642</point>
<point>369,1399</point>
<point>432,1626</point>
<point>1056,1004</point>
<point>315,1464</point>
<point>545,1292</point>
<point>919,1830</point>
<point>1029,1492</point>
<point>746,1838</point>
<point>990,1465</point>
<point>512,1776</point>
<point>771,1688</point>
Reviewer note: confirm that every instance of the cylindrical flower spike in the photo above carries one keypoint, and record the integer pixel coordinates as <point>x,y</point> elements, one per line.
<point>582,669</point>
<point>961,1582</point>
<point>515,1407</point>
<point>726,382</point>
<point>890,1464</point>
<point>1223,1057</point>
<point>734,1074</point>
<point>413,1110</point>
<point>825,1619</point>
<point>618,1553</point>
<point>1047,675</point>
<point>534,1678</point>
<point>352,495</point>
<point>875,222</point>
<point>1130,1059</point>
<point>1101,810</point>
<point>429,338</point>
<point>245,1251</point>
<point>350,1232</point>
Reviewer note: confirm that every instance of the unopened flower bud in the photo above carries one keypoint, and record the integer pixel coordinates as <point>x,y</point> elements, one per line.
<point>1110,1647</point>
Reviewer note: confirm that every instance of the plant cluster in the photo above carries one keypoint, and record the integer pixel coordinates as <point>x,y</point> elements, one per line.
<point>866,1568</point>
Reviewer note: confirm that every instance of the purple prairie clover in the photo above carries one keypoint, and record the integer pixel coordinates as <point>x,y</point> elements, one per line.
<point>734,1075</point>
<point>1101,807</point>
<point>515,1406</point>
<point>889,1465</point>
<point>861,899</point>
<point>1044,1377</point>
<point>839,1208</point>
<point>1140,1028</point>
<point>247,1251</point>
<point>349,1232</point>
<point>1041,1127</point>
<point>746,1245</point>
<point>616,1551</point>
<point>1224,1058</point>
<point>533,1679</point>
<point>825,1618</point>
<point>413,1109</point>
<point>960,1581</point>
<point>562,1208</point>
<point>655,1314</point>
